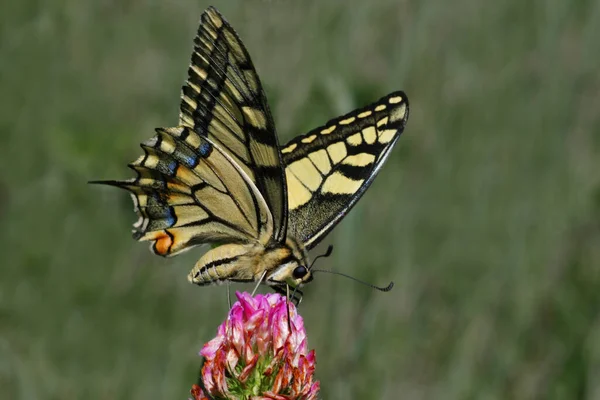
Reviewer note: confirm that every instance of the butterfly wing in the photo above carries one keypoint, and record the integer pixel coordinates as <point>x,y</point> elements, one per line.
<point>329,168</point>
<point>223,100</point>
<point>189,191</point>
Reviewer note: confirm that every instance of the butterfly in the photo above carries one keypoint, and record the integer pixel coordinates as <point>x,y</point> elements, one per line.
<point>220,176</point>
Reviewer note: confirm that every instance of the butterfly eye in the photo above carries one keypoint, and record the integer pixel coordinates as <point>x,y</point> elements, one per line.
<point>299,272</point>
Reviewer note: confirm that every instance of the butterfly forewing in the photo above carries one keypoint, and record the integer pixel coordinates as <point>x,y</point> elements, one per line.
<point>329,168</point>
<point>188,191</point>
<point>223,99</point>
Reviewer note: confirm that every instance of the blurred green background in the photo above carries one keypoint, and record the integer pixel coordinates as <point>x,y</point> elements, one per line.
<point>487,214</point>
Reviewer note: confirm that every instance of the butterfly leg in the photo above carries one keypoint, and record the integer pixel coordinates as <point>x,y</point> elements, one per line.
<point>287,303</point>
<point>296,296</point>
<point>258,283</point>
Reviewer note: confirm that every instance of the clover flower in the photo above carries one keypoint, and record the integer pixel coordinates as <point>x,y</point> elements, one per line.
<point>256,356</point>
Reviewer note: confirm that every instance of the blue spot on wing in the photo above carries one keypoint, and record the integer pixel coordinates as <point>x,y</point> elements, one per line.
<point>160,217</point>
<point>172,167</point>
<point>190,160</point>
<point>205,149</point>
<point>170,217</point>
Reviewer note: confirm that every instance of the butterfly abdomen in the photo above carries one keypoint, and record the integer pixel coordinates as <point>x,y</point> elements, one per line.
<point>226,262</point>
<point>251,262</point>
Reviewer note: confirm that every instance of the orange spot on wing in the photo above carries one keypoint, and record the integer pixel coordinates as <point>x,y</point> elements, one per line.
<point>163,242</point>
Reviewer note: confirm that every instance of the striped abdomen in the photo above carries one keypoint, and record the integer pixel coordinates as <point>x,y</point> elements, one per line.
<point>250,263</point>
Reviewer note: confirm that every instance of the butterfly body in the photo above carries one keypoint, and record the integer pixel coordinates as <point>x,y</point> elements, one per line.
<point>275,264</point>
<point>220,176</point>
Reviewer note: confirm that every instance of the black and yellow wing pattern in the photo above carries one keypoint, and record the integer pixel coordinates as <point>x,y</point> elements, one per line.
<point>329,168</point>
<point>189,191</point>
<point>221,177</point>
<point>223,100</point>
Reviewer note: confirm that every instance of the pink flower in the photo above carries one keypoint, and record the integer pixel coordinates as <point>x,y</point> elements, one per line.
<point>256,356</point>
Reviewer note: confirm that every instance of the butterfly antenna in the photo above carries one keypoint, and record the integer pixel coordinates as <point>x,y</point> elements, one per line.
<point>324,255</point>
<point>381,289</point>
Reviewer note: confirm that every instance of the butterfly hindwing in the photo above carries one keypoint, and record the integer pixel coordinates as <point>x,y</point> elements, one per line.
<point>188,191</point>
<point>329,168</point>
<point>223,100</point>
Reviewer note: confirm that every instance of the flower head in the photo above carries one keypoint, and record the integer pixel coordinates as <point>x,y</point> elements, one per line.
<point>259,353</point>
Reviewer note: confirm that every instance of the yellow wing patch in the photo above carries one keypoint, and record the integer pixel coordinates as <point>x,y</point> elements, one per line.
<point>329,168</point>
<point>386,135</point>
<point>369,134</point>
<point>298,194</point>
<point>307,173</point>
<point>340,184</point>
<point>290,148</point>
<point>321,161</point>
<point>255,117</point>
<point>328,130</point>
<point>337,152</point>
<point>347,121</point>
<point>360,160</point>
<point>355,139</point>
<point>309,139</point>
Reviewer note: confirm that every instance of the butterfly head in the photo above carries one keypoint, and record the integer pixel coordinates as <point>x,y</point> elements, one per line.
<point>292,273</point>
<point>290,265</point>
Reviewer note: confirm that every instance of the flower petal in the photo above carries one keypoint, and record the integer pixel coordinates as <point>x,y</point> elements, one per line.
<point>197,393</point>
<point>248,369</point>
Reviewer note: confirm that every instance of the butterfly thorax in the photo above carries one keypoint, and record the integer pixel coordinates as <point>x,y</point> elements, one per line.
<point>275,264</point>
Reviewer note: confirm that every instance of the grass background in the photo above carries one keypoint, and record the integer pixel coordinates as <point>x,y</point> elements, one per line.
<point>487,214</point>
